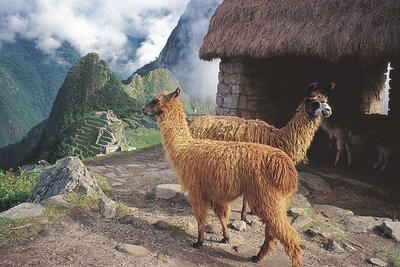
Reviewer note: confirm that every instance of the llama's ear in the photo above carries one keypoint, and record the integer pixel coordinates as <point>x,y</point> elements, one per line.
<point>177,92</point>
<point>173,94</point>
<point>312,87</point>
<point>327,91</point>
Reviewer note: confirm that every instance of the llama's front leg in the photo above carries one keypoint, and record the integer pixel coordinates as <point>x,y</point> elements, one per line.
<point>385,161</point>
<point>379,161</point>
<point>223,211</point>
<point>200,209</point>
<point>339,146</point>
<point>348,153</point>
<point>338,152</point>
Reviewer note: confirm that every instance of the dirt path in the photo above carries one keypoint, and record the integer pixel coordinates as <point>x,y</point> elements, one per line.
<point>87,239</point>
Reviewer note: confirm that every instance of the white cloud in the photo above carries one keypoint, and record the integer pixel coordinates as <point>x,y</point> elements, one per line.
<point>101,26</point>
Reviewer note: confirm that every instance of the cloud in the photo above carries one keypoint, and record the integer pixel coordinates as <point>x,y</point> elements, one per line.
<point>101,26</point>
<point>199,78</point>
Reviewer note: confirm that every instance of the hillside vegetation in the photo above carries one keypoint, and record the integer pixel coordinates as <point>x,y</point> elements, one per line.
<point>72,127</point>
<point>29,82</point>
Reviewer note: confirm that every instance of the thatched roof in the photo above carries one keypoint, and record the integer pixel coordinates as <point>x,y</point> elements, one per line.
<point>325,28</point>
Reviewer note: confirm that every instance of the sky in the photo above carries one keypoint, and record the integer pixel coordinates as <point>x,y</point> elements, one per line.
<point>101,26</point>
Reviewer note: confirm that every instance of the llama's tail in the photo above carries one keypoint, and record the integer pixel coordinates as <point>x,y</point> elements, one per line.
<point>283,173</point>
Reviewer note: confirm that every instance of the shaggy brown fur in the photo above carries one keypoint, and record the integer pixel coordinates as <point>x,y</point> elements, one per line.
<point>218,172</point>
<point>295,138</point>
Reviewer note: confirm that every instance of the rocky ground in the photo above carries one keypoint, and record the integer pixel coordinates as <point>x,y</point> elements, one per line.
<point>336,219</point>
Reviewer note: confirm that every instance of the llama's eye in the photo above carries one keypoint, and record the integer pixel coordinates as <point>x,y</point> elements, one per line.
<point>315,105</point>
<point>155,101</point>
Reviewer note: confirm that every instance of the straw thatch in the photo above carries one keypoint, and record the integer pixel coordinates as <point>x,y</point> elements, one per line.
<point>325,28</point>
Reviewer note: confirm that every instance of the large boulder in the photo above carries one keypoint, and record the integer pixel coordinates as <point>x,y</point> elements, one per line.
<point>68,175</point>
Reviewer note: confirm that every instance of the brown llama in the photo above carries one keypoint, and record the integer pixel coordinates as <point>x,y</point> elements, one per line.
<point>342,137</point>
<point>218,172</point>
<point>294,138</point>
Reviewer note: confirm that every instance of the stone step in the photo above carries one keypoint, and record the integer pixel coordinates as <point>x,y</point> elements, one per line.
<point>106,139</point>
<point>95,123</point>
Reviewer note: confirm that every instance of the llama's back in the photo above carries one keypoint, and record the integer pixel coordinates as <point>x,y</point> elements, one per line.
<point>234,168</point>
<point>230,128</point>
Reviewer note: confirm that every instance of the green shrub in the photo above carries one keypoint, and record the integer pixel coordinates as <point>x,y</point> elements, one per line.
<point>15,189</point>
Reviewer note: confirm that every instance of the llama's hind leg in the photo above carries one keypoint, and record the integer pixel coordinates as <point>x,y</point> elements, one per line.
<point>277,226</point>
<point>267,246</point>
<point>223,210</point>
<point>243,214</point>
<point>288,236</point>
<point>200,209</point>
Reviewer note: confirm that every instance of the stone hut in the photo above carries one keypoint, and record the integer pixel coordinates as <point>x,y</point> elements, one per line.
<point>271,50</point>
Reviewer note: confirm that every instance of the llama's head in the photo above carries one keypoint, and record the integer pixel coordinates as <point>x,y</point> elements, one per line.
<point>157,105</point>
<point>316,103</point>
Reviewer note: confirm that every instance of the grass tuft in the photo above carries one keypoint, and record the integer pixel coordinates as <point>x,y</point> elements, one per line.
<point>14,230</point>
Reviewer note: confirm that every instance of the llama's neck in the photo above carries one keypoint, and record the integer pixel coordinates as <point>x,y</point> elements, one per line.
<point>173,127</point>
<point>299,133</point>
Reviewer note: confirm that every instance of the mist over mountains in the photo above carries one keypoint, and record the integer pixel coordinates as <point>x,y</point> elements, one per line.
<point>30,81</point>
<point>180,54</point>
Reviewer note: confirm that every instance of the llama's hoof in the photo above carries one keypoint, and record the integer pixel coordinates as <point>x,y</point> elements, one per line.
<point>225,240</point>
<point>243,218</point>
<point>255,259</point>
<point>197,245</point>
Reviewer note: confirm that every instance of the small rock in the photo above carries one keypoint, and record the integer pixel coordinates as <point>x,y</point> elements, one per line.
<point>333,212</point>
<point>358,224</point>
<point>162,257</point>
<point>295,212</point>
<point>314,182</point>
<point>127,219</point>
<point>299,201</point>
<point>110,175</point>
<point>213,228</point>
<point>57,201</point>
<point>23,210</point>
<point>334,246</point>
<point>163,225</point>
<point>302,190</point>
<point>377,262</point>
<point>301,222</point>
<point>255,223</point>
<point>349,247</point>
<point>107,207</point>
<point>167,191</point>
<point>382,256</point>
<point>159,175</point>
<point>133,249</point>
<point>362,224</point>
<point>327,232</point>
<point>116,184</point>
<point>239,225</point>
<point>391,229</point>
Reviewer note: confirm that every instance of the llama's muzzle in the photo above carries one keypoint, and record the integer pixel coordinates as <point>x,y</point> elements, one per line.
<point>326,112</point>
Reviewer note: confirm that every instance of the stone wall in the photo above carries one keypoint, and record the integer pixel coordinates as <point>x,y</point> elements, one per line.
<point>373,93</point>
<point>243,90</point>
<point>272,89</point>
<point>246,89</point>
<point>394,102</point>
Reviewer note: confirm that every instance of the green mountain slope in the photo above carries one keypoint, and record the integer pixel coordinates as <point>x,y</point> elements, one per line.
<point>143,87</point>
<point>89,86</point>
<point>29,81</point>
